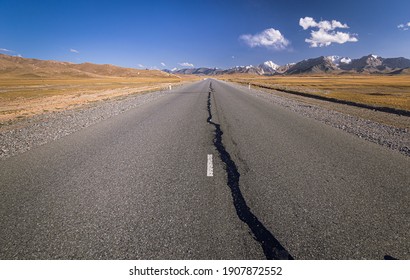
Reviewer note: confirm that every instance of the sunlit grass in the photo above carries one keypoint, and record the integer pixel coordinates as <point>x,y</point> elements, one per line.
<point>29,88</point>
<point>24,97</point>
<point>378,90</point>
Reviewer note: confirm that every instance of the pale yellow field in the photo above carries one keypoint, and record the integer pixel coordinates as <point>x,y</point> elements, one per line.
<point>25,97</point>
<point>378,90</point>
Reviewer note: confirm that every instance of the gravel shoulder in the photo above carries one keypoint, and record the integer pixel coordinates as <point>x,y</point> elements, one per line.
<point>385,129</point>
<point>26,134</point>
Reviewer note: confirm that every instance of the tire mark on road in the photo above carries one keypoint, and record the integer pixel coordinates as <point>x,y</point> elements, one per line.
<point>272,248</point>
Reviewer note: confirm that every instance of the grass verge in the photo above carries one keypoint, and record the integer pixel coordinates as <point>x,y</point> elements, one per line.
<point>375,90</point>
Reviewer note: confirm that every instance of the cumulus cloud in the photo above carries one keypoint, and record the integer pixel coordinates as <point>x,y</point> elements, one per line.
<point>325,35</point>
<point>404,26</point>
<point>141,66</point>
<point>308,22</point>
<point>269,38</point>
<point>323,38</point>
<point>163,64</point>
<point>186,64</point>
<point>74,51</point>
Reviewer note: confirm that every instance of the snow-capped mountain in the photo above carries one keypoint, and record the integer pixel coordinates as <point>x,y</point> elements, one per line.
<point>369,63</point>
<point>345,60</point>
<point>335,64</point>
<point>269,67</point>
<point>337,60</point>
<point>376,64</point>
<point>324,64</point>
<point>250,69</point>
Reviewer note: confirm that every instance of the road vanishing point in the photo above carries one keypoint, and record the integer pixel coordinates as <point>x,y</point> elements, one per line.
<point>207,171</point>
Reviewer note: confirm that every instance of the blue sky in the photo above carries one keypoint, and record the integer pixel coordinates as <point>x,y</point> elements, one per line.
<point>221,33</point>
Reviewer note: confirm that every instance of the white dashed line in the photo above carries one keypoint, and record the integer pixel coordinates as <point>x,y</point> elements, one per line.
<point>210,168</point>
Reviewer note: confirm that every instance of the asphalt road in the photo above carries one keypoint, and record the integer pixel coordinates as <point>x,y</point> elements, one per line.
<point>136,186</point>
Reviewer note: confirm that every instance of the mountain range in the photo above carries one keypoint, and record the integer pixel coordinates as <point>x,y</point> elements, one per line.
<point>370,64</point>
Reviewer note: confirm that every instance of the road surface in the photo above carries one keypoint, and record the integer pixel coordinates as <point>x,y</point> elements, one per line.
<point>208,171</point>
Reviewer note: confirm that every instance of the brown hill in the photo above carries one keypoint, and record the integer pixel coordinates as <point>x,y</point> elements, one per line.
<point>34,68</point>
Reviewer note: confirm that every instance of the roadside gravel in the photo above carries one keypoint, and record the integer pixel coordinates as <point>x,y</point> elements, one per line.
<point>26,134</point>
<point>41,129</point>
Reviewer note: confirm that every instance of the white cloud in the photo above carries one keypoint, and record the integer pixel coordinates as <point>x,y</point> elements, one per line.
<point>74,51</point>
<point>325,35</point>
<point>269,38</point>
<point>6,50</point>
<point>186,64</point>
<point>404,26</point>
<point>163,64</point>
<point>308,22</point>
<point>338,24</point>
<point>323,38</point>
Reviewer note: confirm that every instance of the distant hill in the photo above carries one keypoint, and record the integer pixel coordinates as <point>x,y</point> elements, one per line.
<point>36,68</point>
<point>370,64</point>
<point>196,71</point>
<point>265,68</point>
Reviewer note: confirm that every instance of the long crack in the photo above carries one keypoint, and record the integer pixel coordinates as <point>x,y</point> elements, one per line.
<point>272,248</point>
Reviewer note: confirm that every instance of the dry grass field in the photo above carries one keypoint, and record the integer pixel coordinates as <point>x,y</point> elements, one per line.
<point>31,86</point>
<point>377,90</point>
<point>25,97</point>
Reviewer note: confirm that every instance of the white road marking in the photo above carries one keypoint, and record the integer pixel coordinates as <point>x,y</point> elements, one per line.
<point>210,168</point>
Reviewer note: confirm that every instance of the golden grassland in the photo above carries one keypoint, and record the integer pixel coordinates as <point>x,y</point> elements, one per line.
<point>24,97</point>
<point>376,90</point>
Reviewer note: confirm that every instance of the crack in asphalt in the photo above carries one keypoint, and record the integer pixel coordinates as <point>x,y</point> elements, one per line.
<point>272,248</point>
